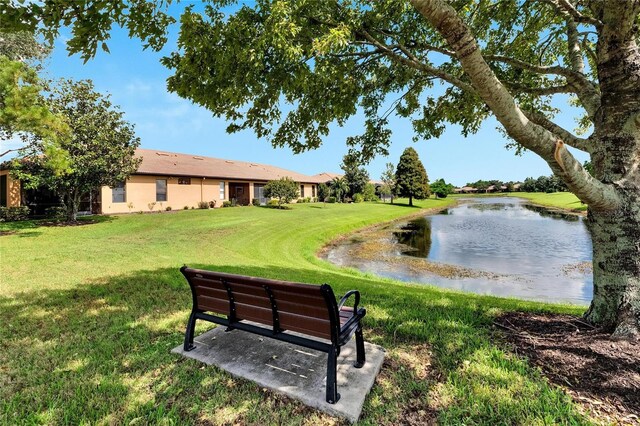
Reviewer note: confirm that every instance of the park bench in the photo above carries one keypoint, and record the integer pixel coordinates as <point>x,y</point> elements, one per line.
<point>303,314</point>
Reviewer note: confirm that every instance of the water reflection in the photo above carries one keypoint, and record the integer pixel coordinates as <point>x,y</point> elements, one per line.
<point>524,251</point>
<point>553,214</point>
<point>417,235</point>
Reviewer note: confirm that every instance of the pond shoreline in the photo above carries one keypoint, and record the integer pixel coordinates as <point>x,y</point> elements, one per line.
<point>322,252</point>
<point>572,211</point>
<point>491,245</point>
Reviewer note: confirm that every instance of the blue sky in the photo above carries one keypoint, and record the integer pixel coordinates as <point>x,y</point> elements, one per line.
<point>137,82</point>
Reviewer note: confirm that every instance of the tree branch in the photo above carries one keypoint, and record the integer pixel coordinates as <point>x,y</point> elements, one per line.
<point>413,62</point>
<point>579,84</point>
<point>541,91</point>
<point>567,9</point>
<point>575,55</point>
<point>569,138</point>
<point>533,136</point>
<point>8,151</point>
<point>538,69</point>
<point>596,194</point>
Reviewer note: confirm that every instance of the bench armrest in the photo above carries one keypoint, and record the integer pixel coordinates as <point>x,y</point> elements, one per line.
<point>346,296</point>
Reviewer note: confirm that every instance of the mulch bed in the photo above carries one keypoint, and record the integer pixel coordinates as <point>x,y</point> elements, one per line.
<point>601,373</point>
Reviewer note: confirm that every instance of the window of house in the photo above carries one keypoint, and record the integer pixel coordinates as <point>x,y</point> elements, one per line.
<point>313,191</point>
<point>161,190</point>
<point>258,193</point>
<point>302,191</point>
<point>184,181</point>
<point>119,193</point>
<point>222,190</point>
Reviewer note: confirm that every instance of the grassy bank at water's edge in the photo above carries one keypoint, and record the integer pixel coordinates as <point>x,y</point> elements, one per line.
<point>89,314</point>
<point>560,200</point>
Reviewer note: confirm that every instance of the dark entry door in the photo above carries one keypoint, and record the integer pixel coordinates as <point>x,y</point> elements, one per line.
<point>240,193</point>
<point>3,190</point>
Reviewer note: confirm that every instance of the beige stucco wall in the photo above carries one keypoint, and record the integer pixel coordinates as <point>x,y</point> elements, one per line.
<point>13,190</point>
<point>141,194</point>
<point>308,190</point>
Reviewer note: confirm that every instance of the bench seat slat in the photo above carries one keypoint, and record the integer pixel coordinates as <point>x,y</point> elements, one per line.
<point>308,325</point>
<point>254,313</point>
<point>300,288</point>
<point>212,292</point>
<point>248,299</point>
<point>208,283</point>
<point>206,303</point>
<point>315,311</point>
<point>247,289</point>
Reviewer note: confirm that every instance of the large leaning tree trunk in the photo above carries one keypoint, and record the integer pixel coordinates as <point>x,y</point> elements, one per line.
<point>613,195</point>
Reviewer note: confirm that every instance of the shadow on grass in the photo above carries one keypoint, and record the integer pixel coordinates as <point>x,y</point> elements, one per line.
<point>396,204</point>
<point>101,353</point>
<point>8,228</point>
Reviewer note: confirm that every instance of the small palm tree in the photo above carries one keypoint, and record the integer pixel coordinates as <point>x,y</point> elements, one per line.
<point>340,187</point>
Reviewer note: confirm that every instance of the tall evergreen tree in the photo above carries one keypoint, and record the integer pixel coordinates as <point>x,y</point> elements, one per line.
<point>411,177</point>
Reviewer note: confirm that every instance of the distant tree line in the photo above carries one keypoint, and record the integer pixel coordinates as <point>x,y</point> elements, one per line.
<point>494,185</point>
<point>543,184</point>
<point>549,183</point>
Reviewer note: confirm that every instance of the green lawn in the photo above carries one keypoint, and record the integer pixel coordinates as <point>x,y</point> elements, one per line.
<point>88,315</point>
<point>562,200</point>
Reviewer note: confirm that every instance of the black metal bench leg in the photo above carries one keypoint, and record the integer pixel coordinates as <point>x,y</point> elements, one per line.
<point>332,377</point>
<point>188,335</point>
<point>360,357</point>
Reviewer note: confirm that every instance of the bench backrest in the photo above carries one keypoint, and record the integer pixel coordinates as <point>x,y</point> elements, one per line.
<point>304,308</point>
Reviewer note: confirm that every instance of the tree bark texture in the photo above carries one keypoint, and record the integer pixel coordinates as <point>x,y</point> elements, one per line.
<point>72,203</point>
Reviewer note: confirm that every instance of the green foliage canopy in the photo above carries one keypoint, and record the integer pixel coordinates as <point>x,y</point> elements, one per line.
<point>388,178</point>
<point>284,189</point>
<point>441,188</point>
<point>90,21</point>
<point>323,191</point>
<point>101,147</point>
<point>369,193</point>
<point>340,187</point>
<point>328,59</point>
<point>355,175</point>
<point>23,109</point>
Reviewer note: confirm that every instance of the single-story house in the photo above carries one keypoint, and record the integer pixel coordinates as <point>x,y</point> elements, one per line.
<point>167,179</point>
<point>465,190</point>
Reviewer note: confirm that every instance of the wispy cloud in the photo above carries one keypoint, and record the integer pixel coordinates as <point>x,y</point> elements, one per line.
<point>138,87</point>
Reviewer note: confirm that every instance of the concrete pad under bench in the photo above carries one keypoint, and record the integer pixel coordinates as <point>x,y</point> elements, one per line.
<point>297,372</point>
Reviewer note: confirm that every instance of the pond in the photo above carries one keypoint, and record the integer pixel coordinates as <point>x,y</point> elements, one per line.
<point>499,246</point>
